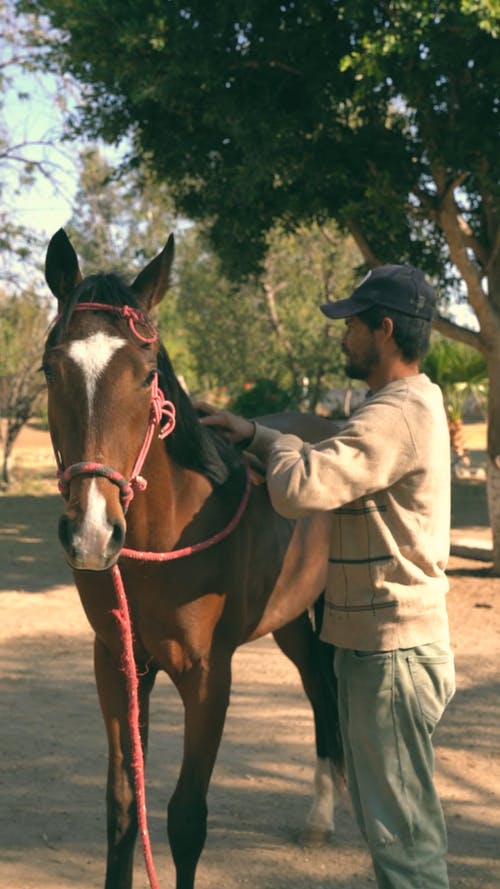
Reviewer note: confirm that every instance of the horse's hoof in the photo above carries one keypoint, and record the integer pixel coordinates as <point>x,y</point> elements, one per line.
<point>315,835</point>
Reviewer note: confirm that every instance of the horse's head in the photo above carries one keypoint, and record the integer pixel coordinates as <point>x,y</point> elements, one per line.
<point>101,366</point>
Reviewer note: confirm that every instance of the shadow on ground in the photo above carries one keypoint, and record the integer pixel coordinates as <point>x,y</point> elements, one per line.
<point>31,556</point>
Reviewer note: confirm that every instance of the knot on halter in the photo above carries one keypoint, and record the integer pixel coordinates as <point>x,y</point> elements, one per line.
<point>160,408</point>
<point>140,483</point>
<point>95,470</point>
<point>162,411</point>
<point>135,316</point>
<point>132,316</point>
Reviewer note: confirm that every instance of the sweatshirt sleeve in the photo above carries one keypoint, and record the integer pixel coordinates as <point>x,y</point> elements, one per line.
<point>374,450</point>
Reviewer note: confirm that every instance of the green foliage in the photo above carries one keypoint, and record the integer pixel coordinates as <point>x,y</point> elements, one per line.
<point>262,111</point>
<point>219,333</point>
<point>262,397</point>
<point>459,371</point>
<point>216,320</point>
<point>267,327</point>
<point>119,222</point>
<point>450,362</point>
<point>23,322</point>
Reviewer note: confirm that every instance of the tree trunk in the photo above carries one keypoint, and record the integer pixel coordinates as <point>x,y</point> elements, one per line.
<point>270,292</point>
<point>457,442</point>
<point>493,491</point>
<point>6,477</point>
<point>12,431</point>
<point>493,466</point>
<point>459,455</point>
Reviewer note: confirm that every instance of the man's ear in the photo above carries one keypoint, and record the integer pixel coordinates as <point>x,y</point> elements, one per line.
<point>387,327</point>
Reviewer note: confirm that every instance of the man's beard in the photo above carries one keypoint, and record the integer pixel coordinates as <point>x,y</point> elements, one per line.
<point>361,369</point>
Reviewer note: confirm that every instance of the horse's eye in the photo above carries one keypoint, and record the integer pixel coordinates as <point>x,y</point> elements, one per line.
<point>150,377</point>
<point>45,369</point>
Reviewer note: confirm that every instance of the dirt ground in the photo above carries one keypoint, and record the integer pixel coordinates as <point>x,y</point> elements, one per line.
<point>53,759</point>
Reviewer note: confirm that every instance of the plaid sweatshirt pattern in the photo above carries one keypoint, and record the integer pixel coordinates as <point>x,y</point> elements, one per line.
<point>385,480</point>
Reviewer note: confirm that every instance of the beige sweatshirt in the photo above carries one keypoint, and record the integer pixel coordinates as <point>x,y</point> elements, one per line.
<point>386,481</point>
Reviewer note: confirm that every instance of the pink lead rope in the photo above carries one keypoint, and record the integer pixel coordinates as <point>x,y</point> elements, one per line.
<point>122,616</point>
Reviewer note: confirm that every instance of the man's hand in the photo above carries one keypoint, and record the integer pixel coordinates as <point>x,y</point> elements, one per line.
<point>234,429</point>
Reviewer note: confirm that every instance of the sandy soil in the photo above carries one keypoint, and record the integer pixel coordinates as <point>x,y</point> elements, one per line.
<point>54,759</point>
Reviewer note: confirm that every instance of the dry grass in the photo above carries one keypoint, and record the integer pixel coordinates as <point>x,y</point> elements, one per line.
<point>33,465</point>
<point>475,436</point>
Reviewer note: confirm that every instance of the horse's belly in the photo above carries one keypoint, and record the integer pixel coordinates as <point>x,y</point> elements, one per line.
<point>302,577</point>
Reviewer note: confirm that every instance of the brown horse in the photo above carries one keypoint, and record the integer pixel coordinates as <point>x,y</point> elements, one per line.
<point>106,373</point>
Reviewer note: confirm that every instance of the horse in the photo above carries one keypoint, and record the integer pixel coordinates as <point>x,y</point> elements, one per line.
<point>206,563</point>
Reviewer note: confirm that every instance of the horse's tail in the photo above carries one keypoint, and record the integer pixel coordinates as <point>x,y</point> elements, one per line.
<point>300,641</point>
<point>327,723</point>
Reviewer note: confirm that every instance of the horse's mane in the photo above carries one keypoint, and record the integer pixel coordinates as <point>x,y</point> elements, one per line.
<point>191,444</point>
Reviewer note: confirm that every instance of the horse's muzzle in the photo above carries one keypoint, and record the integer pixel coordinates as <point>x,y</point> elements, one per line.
<point>91,546</point>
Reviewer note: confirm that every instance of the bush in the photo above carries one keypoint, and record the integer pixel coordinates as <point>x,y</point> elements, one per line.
<point>262,397</point>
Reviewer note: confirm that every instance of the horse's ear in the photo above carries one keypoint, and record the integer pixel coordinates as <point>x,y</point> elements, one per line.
<point>61,267</point>
<point>151,284</point>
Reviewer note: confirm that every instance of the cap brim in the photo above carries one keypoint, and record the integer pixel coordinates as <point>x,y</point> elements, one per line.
<point>343,308</point>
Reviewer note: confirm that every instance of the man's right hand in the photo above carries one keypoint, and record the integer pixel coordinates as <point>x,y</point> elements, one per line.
<point>235,429</point>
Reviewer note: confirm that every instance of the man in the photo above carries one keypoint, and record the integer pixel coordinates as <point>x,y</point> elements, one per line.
<point>385,479</point>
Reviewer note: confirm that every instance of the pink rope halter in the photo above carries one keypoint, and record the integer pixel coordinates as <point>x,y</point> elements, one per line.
<point>162,414</point>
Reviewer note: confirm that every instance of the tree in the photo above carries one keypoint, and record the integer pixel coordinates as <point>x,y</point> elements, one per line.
<point>303,270</point>
<point>30,154</point>
<point>23,324</point>
<point>215,329</point>
<point>381,116</point>
<point>267,327</point>
<point>460,372</point>
<point>118,222</point>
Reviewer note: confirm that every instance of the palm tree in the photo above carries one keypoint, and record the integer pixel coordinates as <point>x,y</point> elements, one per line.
<point>460,372</point>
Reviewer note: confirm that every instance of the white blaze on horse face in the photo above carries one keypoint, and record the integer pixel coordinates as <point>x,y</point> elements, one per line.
<point>93,537</point>
<point>92,355</point>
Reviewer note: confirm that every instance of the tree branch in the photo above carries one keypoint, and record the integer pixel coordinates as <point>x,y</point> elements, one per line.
<point>455,332</point>
<point>448,220</point>
<point>493,254</point>
<point>427,202</point>
<point>270,294</point>
<point>280,66</point>
<point>364,248</point>
<point>471,240</point>
<point>455,182</point>
<point>329,238</point>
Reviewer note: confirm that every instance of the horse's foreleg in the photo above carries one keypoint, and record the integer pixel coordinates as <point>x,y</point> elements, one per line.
<point>314,661</point>
<point>205,694</point>
<point>120,796</point>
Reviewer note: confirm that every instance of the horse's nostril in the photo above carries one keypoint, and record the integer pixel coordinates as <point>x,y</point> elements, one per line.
<point>118,534</point>
<point>65,532</point>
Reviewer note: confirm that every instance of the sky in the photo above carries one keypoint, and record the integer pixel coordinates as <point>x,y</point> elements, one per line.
<point>46,205</point>
<point>32,114</point>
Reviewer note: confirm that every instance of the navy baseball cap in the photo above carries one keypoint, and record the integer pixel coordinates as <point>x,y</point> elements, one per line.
<point>400,287</point>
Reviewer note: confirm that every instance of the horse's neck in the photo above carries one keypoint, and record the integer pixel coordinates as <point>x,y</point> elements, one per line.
<point>174,496</point>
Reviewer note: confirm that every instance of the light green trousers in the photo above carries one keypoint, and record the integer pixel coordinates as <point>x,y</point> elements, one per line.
<point>390,703</point>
